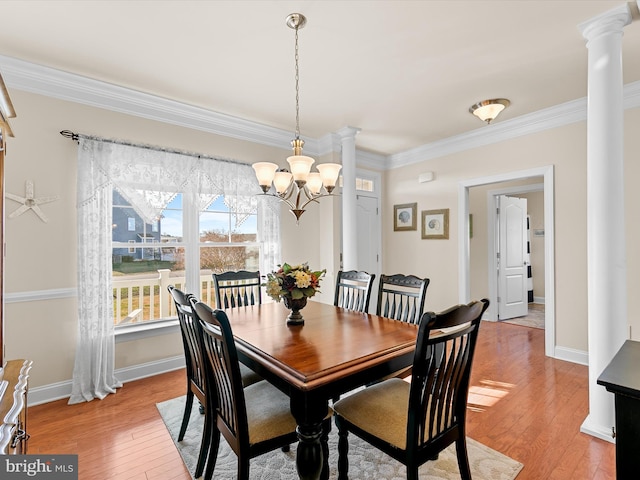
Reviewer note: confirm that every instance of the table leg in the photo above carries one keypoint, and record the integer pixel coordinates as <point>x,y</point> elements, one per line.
<point>310,458</point>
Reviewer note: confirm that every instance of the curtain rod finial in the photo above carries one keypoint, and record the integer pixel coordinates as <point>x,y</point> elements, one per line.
<point>70,134</point>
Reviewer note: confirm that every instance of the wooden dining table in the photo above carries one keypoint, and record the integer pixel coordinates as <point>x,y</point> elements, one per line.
<point>333,352</point>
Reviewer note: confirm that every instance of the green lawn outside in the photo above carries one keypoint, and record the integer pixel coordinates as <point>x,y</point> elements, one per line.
<point>141,266</point>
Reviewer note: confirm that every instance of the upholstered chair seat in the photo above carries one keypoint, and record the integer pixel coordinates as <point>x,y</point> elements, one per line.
<point>268,414</point>
<point>381,410</point>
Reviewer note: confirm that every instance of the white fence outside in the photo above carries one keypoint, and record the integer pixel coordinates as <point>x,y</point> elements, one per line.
<point>148,299</point>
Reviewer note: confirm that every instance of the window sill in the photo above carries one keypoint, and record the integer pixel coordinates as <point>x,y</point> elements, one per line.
<point>139,331</point>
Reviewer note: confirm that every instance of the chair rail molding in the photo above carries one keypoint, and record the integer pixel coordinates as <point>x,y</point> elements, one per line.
<point>36,295</point>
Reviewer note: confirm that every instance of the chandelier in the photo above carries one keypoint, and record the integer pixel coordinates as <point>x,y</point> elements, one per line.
<point>299,186</point>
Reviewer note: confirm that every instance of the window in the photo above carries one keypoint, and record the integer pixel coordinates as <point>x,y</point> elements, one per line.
<point>162,195</point>
<point>157,254</point>
<point>364,185</point>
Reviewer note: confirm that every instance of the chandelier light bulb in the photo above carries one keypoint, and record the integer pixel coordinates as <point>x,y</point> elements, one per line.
<point>300,168</point>
<point>281,182</point>
<point>265,171</point>
<point>329,173</point>
<point>314,183</point>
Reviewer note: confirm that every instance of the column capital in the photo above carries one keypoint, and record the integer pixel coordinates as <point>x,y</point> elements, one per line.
<point>611,21</point>
<point>348,132</point>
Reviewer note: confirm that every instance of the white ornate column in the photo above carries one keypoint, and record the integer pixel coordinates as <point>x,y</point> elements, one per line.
<point>349,205</point>
<point>606,254</point>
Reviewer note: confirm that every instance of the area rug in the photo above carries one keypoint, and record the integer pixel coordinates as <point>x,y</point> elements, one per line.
<point>365,462</point>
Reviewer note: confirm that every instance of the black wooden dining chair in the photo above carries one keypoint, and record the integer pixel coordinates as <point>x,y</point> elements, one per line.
<point>195,374</point>
<point>253,420</point>
<point>237,289</point>
<point>353,290</point>
<point>402,297</point>
<point>414,422</point>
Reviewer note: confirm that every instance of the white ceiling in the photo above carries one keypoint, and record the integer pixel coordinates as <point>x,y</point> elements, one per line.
<point>404,72</point>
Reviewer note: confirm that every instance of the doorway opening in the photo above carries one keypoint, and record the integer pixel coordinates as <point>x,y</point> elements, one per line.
<point>464,260</point>
<point>503,258</point>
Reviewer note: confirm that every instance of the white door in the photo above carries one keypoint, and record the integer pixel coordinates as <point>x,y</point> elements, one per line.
<point>512,259</point>
<point>368,224</point>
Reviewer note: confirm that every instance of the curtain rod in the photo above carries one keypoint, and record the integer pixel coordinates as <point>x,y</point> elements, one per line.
<point>76,136</point>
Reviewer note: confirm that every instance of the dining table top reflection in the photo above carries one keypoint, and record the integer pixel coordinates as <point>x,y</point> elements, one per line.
<point>334,351</point>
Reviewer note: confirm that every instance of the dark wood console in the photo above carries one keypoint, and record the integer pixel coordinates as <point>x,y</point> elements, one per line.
<point>13,406</point>
<point>622,378</point>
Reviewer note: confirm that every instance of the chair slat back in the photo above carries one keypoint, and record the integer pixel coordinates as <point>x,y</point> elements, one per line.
<point>353,290</point>
<point>237,289</point>
<point>188,330</point>
<point>224,380</point>
<point>441,371</point>
<point>402,297</point>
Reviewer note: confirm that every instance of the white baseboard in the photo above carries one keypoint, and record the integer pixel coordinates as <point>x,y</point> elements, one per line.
<point>571,355</point>
<point>57,391</point>
<point>538,300</point>
<point>598,431</point>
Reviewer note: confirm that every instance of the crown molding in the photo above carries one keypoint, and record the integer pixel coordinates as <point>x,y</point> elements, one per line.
<point>50,82</point>
<point>371,160</point>
<point>545,119</point>
<point>552,117</point>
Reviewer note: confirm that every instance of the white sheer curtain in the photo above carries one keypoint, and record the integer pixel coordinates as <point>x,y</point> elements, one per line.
<point>148,179</point>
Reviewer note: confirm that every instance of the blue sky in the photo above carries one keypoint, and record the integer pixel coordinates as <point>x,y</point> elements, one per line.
<point>215,218</point>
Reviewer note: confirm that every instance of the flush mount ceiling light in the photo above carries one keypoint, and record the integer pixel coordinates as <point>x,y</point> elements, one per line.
<point>300,180</point>
<point>488,110</point>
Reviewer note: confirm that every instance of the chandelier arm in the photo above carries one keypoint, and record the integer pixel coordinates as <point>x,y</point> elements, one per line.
<point>315,199</point>
<point>298,197</point>
<point>288,193</point>
<point>307,193</point>
<point>278,197</point>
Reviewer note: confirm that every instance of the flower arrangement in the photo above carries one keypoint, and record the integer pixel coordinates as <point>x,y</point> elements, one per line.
<point>294,282</point>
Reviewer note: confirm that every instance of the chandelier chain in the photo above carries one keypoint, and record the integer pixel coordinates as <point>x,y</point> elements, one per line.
<point>297,89</point>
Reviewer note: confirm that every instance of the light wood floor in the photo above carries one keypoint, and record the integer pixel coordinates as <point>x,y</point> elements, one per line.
<point>522,403</point>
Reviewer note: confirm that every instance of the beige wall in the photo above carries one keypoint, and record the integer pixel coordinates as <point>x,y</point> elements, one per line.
<point>632,225</point>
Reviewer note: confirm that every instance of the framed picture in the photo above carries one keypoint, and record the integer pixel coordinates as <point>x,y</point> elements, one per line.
<point>435,224</point>
<point>404,217</point>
